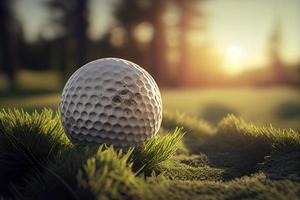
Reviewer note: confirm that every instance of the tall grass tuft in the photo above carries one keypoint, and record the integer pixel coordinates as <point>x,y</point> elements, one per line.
<point>154,152</point>
<point>27,141</point>
<point>197,129</point>
<point>189,123</point>
<point>104,173</point>
<point>58,179</point>
<point>278,138</point>
<point>108,175</point>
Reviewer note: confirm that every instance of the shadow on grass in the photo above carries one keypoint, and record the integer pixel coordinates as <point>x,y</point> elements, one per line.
<point>237,155</point>
<point>242,154</point>
<point>215,112</point>
<point>236,151</point>
<point>280,165</point>
<point>21,93</point>
<point>288,110</point>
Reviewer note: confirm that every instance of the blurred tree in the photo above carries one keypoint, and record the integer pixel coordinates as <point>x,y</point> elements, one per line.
<point>131,13</point>
<point>80,28</point>
<point>152,17</point>
<point>72,18</point>
<point>128,14</point>
<point>36,54</point>
<point>280,76</point>
<point>191,19</point>
<point>9,41</point>
<point>159,47</point>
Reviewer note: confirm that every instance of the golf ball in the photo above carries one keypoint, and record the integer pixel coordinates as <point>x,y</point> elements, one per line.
<point>111,101</point>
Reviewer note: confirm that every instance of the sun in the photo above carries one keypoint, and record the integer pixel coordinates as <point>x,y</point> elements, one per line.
<point>235,59</point>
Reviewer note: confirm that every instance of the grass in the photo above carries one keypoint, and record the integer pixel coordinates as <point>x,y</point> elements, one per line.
<point>262,106</point>
<point>26,142</point>
<point>279,105</point>
<point>233,160</point>
<point>257,186</point>
<point>278,138</point>
<point>155,152</point>
<point>34,80</point>
<point>108,175</point>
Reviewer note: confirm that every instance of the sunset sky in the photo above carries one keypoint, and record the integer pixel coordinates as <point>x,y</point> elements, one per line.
<point>239,30</point>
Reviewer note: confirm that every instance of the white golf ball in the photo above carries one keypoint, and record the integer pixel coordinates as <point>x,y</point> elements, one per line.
<point>111,101</point>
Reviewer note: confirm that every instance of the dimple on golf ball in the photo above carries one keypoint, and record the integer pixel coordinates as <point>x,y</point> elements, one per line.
<point>111,101</point>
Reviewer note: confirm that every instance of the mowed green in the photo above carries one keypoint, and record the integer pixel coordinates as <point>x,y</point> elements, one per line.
<point>279,106</point>
<point>263,106</point>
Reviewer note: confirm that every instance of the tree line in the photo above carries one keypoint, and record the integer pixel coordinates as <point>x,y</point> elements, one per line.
<point>167,53</point>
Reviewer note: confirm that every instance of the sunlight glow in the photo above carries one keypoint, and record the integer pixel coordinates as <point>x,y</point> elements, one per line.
<point>143,32</point>
<point>235,59</point>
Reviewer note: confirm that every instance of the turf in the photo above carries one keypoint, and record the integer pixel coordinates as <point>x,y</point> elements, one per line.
<point>232,160</point>
<point>276,105</point>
